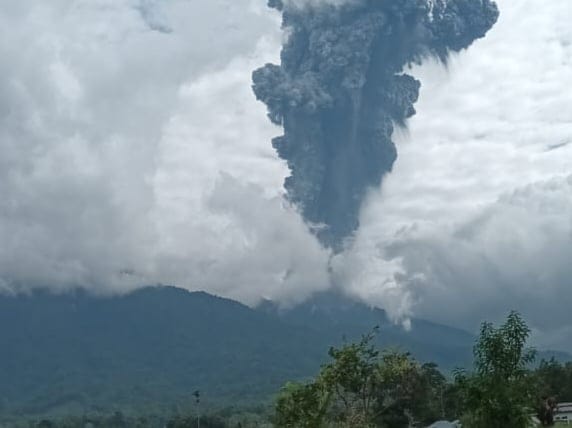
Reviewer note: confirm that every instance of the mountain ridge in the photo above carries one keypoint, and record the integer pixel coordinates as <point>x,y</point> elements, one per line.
<point>73,352</point>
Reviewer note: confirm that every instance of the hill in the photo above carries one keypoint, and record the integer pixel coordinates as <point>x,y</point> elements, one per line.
<point>63,353</point>
<point>148,350</point>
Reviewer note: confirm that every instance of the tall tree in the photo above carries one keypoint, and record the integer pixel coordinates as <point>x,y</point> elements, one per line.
<point>351,376</point>
<point>302,405</point>
<point>499,393</point>
<point>554,379</point>
<point>361,387</point>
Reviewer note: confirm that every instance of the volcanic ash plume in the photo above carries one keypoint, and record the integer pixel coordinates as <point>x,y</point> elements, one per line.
<point>341,89</point>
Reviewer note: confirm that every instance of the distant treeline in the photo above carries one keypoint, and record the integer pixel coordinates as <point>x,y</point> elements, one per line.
<point>234,418</point>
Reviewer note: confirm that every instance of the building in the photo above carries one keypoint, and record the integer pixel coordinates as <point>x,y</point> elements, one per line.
<point>563,413</point>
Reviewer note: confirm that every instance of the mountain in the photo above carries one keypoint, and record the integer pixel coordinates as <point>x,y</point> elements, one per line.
<point>62,353</point>
<point>336,316</point>
<point>149,350</point>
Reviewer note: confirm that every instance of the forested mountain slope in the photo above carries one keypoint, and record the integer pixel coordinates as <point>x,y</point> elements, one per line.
<point>149,350</point>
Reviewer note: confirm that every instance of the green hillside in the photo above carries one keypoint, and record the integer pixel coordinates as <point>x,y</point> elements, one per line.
<point>148,350</point>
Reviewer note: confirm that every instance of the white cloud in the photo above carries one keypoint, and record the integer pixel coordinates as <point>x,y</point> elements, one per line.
<point>219,197</point>
<point>132,151</point>
<point>486,153</point>
<point>300,4</point>
<point>514,254</point>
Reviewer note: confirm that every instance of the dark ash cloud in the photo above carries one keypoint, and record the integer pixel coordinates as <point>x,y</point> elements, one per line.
<point>340,90</point>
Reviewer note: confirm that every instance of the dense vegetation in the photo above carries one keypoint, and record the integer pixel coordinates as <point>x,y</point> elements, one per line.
<point>147,351</point>
<point>76,361</point>
<point>221,419</point>
<point>362,387</point>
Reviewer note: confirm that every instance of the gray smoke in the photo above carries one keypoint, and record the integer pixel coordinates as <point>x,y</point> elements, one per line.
<point>341,89</point>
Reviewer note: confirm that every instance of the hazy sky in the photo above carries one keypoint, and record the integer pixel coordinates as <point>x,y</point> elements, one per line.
<point>132,152</point>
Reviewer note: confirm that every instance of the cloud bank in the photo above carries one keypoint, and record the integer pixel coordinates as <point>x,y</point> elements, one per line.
<point>132,152</point>
<point>301,4</point>
<point>475,219</point>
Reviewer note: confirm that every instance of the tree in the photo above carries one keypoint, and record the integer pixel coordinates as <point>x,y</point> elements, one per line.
<point>408,393</point>
<point>360,387</point>
<point>351,378</point>
<point>399,385</point>
<point>342,392</point>
<point>554,379</point>
<point>191,422</point>
<point>432,401</point>
<point>499,393</point>
<point>302,405</point>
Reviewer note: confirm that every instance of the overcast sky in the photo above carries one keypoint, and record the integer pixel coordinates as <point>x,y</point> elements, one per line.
<point>133,152</point>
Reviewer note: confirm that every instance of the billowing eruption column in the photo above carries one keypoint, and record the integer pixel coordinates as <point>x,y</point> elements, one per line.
<point>341,89</point>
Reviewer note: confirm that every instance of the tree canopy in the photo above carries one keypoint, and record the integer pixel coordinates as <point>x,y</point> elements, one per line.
<point>363,387</point>
<point>500,391</point>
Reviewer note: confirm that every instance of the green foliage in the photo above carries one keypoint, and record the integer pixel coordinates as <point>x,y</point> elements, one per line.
<point>229,418</point>
<point>191,422</point>
<point>116,420</point>
<point>501,352</point>
<point>500,392</point>
<point>144,352</point>
<point>302,405</point>
<point>72,354</point>
<point>361,387</point>
<point>434,402</point>
<point>351,377</point>
<point>554,379</point>
<point>407,392</point>
<point>399,383</point>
